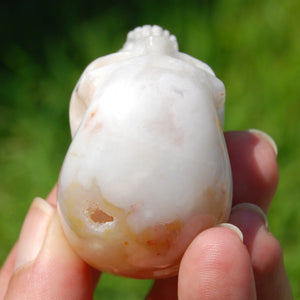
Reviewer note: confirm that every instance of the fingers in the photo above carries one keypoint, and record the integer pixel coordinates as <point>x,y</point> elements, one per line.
<point>255,177</point>
<point>266,256</point>
<point>45,265</point>
<point>254,168</point>
<point>216,266</point>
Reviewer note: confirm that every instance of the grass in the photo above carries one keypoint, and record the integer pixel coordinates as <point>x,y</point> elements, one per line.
<point>252,46</point>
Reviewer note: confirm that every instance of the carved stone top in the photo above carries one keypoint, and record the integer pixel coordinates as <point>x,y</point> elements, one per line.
<point>147,39</point>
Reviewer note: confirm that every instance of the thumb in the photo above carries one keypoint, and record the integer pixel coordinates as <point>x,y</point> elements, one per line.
<point>46,267</point>
<point>216,266</point>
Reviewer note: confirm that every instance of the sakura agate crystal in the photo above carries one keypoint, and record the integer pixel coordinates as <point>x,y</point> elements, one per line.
<point>148,168</point>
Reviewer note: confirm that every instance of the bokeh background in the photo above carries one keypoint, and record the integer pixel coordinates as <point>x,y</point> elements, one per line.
<point>253,47</point>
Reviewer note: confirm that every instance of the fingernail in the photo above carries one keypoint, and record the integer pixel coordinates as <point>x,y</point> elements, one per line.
<point>33,232</point>
<point>234,228</point>
<point>266,137</point>
<point>254,208</point>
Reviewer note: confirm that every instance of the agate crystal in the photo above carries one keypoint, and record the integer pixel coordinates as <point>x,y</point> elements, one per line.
<point>147,169</point>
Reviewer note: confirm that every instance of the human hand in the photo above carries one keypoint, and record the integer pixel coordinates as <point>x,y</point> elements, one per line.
<point>217,265</point>
<point>42,265</point>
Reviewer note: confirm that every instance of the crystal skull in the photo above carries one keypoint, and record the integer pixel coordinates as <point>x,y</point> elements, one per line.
<point>148,168</point>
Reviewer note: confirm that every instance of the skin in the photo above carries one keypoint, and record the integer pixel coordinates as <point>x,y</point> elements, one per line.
<point>216,265</point>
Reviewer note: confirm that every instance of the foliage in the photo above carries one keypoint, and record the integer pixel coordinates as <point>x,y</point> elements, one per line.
<point>253,46</point>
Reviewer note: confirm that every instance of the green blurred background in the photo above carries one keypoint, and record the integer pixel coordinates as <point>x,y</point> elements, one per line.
<point>253,47</point>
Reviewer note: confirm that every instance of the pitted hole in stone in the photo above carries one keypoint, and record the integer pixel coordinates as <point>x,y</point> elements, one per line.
<point>99,216</point>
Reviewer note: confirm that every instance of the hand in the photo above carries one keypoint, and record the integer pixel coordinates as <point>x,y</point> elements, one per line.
<point>216,265</point>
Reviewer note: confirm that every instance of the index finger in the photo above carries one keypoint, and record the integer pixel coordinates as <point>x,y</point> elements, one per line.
<point>254,167</point>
